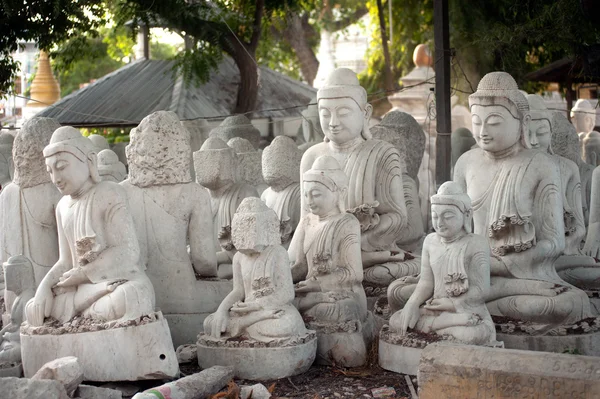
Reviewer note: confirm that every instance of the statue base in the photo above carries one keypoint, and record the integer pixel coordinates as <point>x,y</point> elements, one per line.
<point>594,296</point>
<point>138,350</point>
<point>581,338</point>
<point>254,360</point>
<point>185,326</point>
<point>11,370</point>
<point>344,344</point>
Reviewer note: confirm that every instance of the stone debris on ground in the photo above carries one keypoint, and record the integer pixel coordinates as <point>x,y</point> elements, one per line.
<point>65,370</point>
<point>256,391</point>
<point>92,392</point>
<point>383,392</point>
<point>25,388</point>
<point>187,353</point>
<point>126,389</point>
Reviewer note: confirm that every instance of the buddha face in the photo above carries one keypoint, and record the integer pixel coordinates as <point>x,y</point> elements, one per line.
<point>494,128</point>
<point>540,134</point>
<point>320,199</point>
<point>583,121</point>
<point>447,220</point>
<point>68,173</point>
<point>342,120</point>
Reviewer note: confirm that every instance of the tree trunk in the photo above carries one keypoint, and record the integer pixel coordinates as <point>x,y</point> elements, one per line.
<point>388,78</point>
<point>248,88</point>
<point>297,36</point>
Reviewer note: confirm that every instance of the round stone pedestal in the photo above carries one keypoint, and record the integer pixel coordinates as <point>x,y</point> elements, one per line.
<point>252,360</point>
<point>398,358</point>
<point>141,351</point>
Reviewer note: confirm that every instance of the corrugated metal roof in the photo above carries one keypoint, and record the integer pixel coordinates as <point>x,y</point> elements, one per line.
<point>127,95</point>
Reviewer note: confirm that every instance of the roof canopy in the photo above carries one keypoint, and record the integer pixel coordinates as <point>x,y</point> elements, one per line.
<point>565,70</point>
<point>127,95</point>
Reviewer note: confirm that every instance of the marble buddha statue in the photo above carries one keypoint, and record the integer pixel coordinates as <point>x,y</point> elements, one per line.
<point>517,204</point>
<point>374,170</point>
<point>583,116</point>
<point>280,165</point>
<point>110,168</point>
<point>310,132</point>
<point>99,142</point>
<point>449,298</point>
<point>98,274</point>
<point>326,257</point>
<point>217,170</point>
<point>592,241</point>
<point>18,276</point>
<point>237,126</point>
<point>28,205</point>
<point>260,305</point>
<point>461,141</point>
<point>6,160</point>
<point>591,148</point>
<point>249,163</point>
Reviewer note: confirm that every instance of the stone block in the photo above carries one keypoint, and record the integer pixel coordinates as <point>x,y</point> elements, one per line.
<point>398,358</point>
<point>65,370</point>
<point>91,392</point>
<point>140,352</point>
<point>23,388</point>
<point>464,371</point>
<point>196,386</point>
<point>187,353</point>
<point>586,344</point>
<point>256,391</point>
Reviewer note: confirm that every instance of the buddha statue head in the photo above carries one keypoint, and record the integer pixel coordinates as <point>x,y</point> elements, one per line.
<point>325,186</point>
<point>110,168</point>
<point>451,211</point>
<point>540,127</point>
<point>158,151</point>
<point>565,141</point>
<point>254,227</point>
<point>99,142</point>
<point>28,147</point>
<point>500,113</point>
<point>18,274</point>
<point>249,161</point>
<point>237,126</point>
<point>583,116</point>
<point>215,164</point>
<point>461,141</point>
<point>71,161</point>
<point>343,109</point>
<point>280,163</point>
<point>591,148</point>
<point>311,126</point>
<point>6,162</point>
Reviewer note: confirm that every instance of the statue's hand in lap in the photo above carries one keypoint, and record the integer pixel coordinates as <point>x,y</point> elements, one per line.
<point>246,307</point>
<point>310,285</point>
<point>440,304</point>
<point>41,306</point>
<point>407,318</point>
<point>219,324</point>
<point>73,277</point>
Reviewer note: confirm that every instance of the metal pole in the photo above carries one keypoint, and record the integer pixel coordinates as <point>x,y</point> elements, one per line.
<point>442,90</point>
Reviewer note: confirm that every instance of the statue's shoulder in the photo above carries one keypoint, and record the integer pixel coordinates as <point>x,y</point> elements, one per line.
<point>314,152</point>
<point>567,164</point>
<point>541,161</point>
<point>110,190</point>
<point>478,243</point>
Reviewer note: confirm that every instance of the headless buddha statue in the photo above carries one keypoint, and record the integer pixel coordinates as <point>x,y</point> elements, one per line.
<point>374,170</point>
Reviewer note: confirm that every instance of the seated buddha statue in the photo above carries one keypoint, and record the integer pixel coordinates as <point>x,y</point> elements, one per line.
<point>325,252</point>
<point>374,170</point>
<point>518,205</point>
<point>98,273</point>
<point>449,298</point>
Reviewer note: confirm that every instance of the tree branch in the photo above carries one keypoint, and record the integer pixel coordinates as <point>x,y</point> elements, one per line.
<point>256,26</point>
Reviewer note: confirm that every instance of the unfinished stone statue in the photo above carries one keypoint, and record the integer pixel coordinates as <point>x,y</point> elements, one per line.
<point>249,161</point>
<point>27,206</point>
<point>591,148</point>
<point>6,160</point>
<point>216,167</point>
<point>110,168</point>
<point>237,126</point>
<point>592,242</point>
<point>449,298</point>
<point>374,170</point>
<point>517,205</point>
<point>325,253</point>
<point>583,116</point>
<point>404,132</point>
<point>170,212</point>
<point>280,165</point>
<point>119,149</point>
<point>259,309</point>
<point>99,142</point>
<point>18,276</point>
<point>310,130</point>
<point>461,141</point>
<point>98,276</point>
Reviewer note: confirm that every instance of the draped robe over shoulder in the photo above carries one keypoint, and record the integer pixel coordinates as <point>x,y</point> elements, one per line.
<point>286,204</point>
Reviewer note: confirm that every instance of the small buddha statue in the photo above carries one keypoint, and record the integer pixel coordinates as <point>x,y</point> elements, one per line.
<point>6,160</point>
<point>449,298</point>
<point>171,214</point>
<point>237,126</point>
<point>517,204</point>
<point>310,132</point>
<point>461,141</point>
<point>217,170</point>
<point>99,142</point>
<point>374,170</point>
<point>110,168</point>
<point>98,274</point>
<point>280,164</point>
<point>583,116</point>
<point>249,161</point>
<point>19,279</point>
<point>326,256</point>
<point>28,205</point>
<point>565,143</point>
<point>259,307</point>
<point>591,148</point>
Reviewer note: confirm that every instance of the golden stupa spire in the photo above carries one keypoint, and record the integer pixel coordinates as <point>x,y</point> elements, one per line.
<point>44,87</point>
